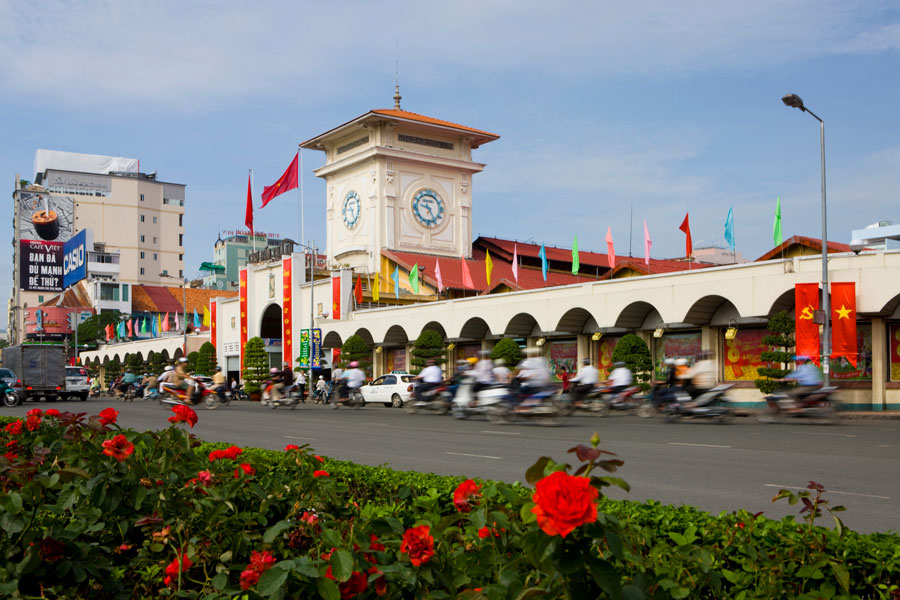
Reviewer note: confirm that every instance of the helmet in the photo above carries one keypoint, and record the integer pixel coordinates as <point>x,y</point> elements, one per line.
<point>484,353</point>
<point>499,362</point>
<point>585,361</point>
<point>182,360</point>
<point>801,358</point>
<point>218,369</point>
<point>680,362</point>
<point>618,364</point>
<point>472,360</point>
<point>320,377</point>
<point>354,364</point>
<point>273,370</point>
<point>669,361</point>
<point>168,368</point>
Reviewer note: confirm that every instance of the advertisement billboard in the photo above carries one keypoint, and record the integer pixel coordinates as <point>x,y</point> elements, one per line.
<point>75,258</point>
<point>45,223</point>
<point>41,266</point>
<point>52,321</point>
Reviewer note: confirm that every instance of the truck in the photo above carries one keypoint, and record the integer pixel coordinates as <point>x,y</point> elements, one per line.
<point>40,367</point>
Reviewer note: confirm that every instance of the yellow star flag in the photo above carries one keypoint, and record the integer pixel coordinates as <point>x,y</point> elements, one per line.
<point>206,317</point>
<point>376,290</point>
<point>488,266</point>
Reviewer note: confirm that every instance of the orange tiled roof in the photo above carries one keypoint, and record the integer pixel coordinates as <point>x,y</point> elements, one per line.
<point>404,114</point>
<point>197,298</point>
<point>802,240</point>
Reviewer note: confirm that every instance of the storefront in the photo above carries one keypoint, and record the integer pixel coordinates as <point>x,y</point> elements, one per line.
<point>686,345</point>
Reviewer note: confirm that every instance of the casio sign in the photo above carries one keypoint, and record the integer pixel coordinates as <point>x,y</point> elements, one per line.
<point>74,259</point>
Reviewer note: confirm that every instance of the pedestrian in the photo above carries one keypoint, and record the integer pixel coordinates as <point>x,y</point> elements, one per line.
<point>301,385</point>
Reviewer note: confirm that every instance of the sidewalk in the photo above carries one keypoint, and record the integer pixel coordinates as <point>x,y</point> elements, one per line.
<point>850,415</point>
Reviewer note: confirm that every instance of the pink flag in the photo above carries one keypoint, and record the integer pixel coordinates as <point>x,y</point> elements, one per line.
<point>610,250</point>
<point>176,322</point>
<point>515,265</point>
<point>467,278</point>
<point>165,323</point>
<point>437,275</point>
<point>648,243</point>
<point>130,331</point>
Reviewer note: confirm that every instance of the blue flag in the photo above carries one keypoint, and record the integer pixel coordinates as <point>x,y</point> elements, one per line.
<point>729,229</point>
<point>543,255</point>
<point>396,277</point>
<point>196,320</point>
<point>153,330</point>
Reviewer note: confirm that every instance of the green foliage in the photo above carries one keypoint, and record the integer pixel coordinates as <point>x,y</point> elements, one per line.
<point>156,363</point>
<point>134,362</point>
<point>355,348</point>
<point>508,350</point>
<point>633,351</point>
<point>256,365</point>
<point>113,370</point>
<point>429,345</point>
<point>206,359</point>
<point>4,343</point>
<point>192,358</point>
<point>781,352</point>
<point>92,329</point>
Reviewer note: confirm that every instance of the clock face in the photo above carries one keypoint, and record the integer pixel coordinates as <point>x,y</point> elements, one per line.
<point>428,208</point>
<point>351,209</point>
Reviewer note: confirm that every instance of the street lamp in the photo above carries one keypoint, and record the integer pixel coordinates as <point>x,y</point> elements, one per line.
<point>794,101</point>
<point>183,307</point>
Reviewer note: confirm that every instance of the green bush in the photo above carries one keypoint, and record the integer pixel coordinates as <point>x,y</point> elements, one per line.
<point>429,346</point>
<point>113,370</point>
<point>633,351</point>
<point>356,349</point>
<point>256,365</point>
<point>508,350</point>
<point>206,359</point>
<point>781,352</point>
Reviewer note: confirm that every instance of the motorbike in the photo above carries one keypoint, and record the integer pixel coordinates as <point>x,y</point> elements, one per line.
<point>354,399</point>
<point>625,400</point>
<point>711,404</point>
<point>437,399</point>
<point>660,397</point>
<point>289,396</point>
<point>467,402</point>
<point>542,407</point>
<point>135,390</point>
<point>818,405</point>
<point>169,394</point>
<point>591,401</point>
<point>217,398</point>
<point>321,396</point>
<point>9,396</point>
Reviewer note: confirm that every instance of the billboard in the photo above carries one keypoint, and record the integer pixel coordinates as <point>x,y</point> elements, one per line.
<point>52,320</point>
<point>41,266</point>
<point>75,258</point>
<point>46,222</point>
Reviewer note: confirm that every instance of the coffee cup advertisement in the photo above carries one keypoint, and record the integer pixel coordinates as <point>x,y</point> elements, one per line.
<point>45,217</point>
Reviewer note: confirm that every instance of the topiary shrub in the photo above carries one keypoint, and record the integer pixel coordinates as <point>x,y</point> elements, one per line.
<point>508,350</point>
<point>206,359</point>
<point>633,351</point>
<point>256,365</point>
<point>356,349</point>
<point>429,345</point>
<point>780,353</point>
<point>156,363</point>
<point>113,370</point>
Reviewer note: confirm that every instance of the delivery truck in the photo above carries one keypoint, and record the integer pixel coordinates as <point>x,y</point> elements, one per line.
<point>40,367</point>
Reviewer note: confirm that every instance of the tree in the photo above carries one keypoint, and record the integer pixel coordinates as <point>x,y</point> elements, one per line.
<point>633,351</point>
<point>780,353</point>
<point>429,345</point>
<point>156,362</point>
<point>134,362</point>
<point>93,330</point>
<point>206,361</point>
<point>113,369</point>
<point>356,349</point>
<point>508,350</point>
<point>191,365</point>
<point>256,365</point>
<point>4,343</point>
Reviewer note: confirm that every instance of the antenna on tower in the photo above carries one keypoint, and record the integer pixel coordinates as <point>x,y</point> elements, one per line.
<point>397,96</point>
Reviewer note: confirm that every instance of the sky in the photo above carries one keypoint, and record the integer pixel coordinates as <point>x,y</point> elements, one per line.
<point>605,109</point>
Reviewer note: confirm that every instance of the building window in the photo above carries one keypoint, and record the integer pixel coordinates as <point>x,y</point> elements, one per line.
<point>142,218</point>
<point>155,256</point>
<point>154,240</point>
<point>181,220</point>
<point>181,257</point>
<point>142,254</point>
<point>181,239</point>
<point>154,220</point>
<point>109,291</point>
<point>142,270</point>
<point>125,293</point>
<point>181,273</point>
<point>142,239</point>
<point>40,298</point>
<point>142,198</point>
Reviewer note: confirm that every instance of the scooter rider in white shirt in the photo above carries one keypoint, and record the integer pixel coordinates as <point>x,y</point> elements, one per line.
<point>430,377</point>
<point>620,378</point>
<point>585,380</point>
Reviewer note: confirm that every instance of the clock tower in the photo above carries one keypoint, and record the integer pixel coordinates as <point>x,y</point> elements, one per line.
<point>397,180</point>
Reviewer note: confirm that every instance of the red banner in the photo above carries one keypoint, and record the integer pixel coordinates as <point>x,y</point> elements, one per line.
<point>287,340</point>
<point>212,325</point>
<point>806,302</point>
<point>336,298</point>
<point>843,321</point>
<point>243,307</point>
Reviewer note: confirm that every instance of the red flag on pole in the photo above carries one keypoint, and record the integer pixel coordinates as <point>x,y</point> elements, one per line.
<point>336,298</point>
<point>357,290</point>
<point>686,228</point>
<point>806,303</point>
<point>843,321</point>
<point>248,216</point>
<point>288,181</point>
<point>467,277</point>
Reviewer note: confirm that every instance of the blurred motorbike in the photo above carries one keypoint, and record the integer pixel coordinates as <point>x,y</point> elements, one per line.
<point>712,404</point>
<point>817,405</point>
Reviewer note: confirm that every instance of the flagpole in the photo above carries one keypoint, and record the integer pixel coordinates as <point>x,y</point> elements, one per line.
<point>252,233</point>
<point>630,228</point>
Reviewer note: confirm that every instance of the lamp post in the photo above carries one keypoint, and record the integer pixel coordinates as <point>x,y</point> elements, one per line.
<point>794,101</point>
<point>184,308</point>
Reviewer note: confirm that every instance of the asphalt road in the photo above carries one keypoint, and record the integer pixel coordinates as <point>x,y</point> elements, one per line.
<point>714,467</point>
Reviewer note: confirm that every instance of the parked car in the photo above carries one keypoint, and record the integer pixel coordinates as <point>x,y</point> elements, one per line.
<point>10,379</point>
<point>78,382</point>
<point>393,389</point>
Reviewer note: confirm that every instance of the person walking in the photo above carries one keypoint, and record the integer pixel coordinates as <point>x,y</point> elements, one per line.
<point>301,385</point>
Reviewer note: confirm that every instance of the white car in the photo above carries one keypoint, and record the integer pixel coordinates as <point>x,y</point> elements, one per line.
<point>393,389</point>
<point>78,382</point>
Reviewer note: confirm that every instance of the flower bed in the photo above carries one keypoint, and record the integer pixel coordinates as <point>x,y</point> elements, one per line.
<point>93,511</point>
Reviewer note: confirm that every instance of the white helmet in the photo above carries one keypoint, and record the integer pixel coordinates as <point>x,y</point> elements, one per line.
<point>168,368</point>
<point>182,360</point>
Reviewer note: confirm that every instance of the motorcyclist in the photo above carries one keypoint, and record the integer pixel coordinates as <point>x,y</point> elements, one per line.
<point>354,378</point>
<point>620,378</point>
<point>534,373</point>
<point>483,371</point>
<point>285,378</point>
<point>808,379</point>
<point>430,378</point>
<point>218,382</point>
<point>128,380</point>
<point>179,379</point>
<point>701,377</point>
<point>321,389</point>
<point>151,383</point>
<point>585,380</point>
<point>501,372</point>
<point>269,387</point>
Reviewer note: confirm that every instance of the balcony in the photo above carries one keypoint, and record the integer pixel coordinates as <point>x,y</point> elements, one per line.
<point>102,264</point>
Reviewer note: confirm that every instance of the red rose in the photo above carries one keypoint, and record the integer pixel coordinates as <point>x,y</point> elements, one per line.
<point>119,448</point>
<point>15,428</point>
<point>418,544</point>
<point>174,568</point>
<point>33,422</point>
<point>374,545</point>
<point>231,453</point>
<point>51,550</point>
<point>183,414</point>
<point>246,468</point>
<point>34,412</point>
<point>309,518</point>
<point>464,494</point>
<point>108,416</point>
<point>563,502</point>
<point>484,532</point>
<point>320,473</point>
<point>319,458</point>
<point>290,447</point>
<point>260,562</point>
<point>51,412</point>
<point>249,578</point>
<point>355,585</point>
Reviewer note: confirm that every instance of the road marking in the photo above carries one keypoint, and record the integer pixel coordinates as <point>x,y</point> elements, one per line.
<point>475,455</point>
<point>849,435</point>
<point>884,445</point>
<point>698,445</point>
<point>790,487</point>
<point>502,432</point>
<point>297,437</point>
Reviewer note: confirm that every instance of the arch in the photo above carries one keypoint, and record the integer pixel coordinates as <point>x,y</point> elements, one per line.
<point>435,326</point>
<point>703,309</point>
<point>395,336</point>
<point>577,320</point>
<point>140,356</point>
<point>891,307</point>
<point>177,354</point>
<point>522,325</point>
<point>366,335</point>
<point>106,360</point>
<point>784,302</point>
<point>332,339</point>
<point>270,323</point>
<point>165,355</point>
<point>639,315</point>
<point>475,329</point>
<point>118,359</point>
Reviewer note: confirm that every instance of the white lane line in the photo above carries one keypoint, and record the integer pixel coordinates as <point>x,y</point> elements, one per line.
<point>849,435</point>
<point>790,487</point>
<point>884,445</point>
<point>698,445</point>
<point>475,455</point>
<point>297,437</point>
<point>502,432</point>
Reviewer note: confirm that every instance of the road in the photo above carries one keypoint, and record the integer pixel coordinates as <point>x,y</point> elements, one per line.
<point>714,467</point>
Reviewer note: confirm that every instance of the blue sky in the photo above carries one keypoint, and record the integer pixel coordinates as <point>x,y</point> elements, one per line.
<point>660,106</point>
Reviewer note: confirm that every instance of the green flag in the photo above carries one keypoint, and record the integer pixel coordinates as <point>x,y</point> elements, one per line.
<point>575,264</point>
<point>776,227</point>
<point>414,279</point>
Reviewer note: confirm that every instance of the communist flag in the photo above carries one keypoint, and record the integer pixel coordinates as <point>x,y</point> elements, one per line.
<point>288,181</point>
<point>843,321</point>
<point>686,228</point>
<point>336,298</point>
<point>806,302</point>
<point>357,291</point>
